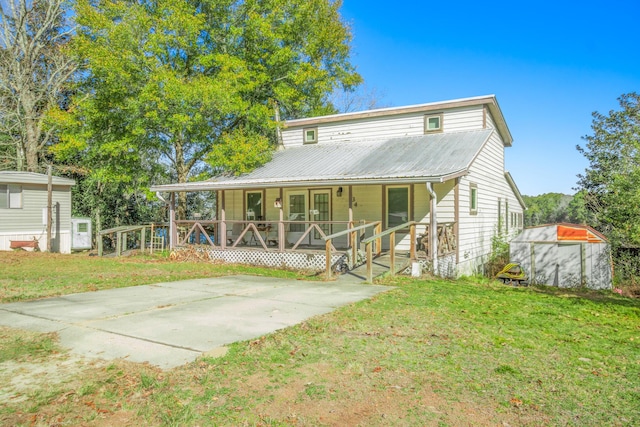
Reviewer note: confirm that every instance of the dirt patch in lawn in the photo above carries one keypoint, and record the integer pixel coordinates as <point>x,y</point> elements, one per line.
<point>320,395</point>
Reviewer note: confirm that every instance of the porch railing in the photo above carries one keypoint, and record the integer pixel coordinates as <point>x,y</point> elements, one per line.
<point>144,237</point>
<point>267,234</point>
<point>446,243</point>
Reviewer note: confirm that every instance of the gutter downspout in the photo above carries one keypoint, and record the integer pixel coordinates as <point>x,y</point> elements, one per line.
<point>433,227</point>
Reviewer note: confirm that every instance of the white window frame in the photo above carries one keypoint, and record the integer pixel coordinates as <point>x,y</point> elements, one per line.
<point>473,199</point>
<point>395,187</point>
<point>428,118</point>
<point>12,196</point>
<point>306,132</point>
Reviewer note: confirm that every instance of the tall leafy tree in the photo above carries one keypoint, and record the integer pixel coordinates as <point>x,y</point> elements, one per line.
<point>611,183</point>
<point>34,73</point>
<point>194,84</point>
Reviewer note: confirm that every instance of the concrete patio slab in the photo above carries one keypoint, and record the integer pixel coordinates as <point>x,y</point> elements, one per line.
<point>169,324</point>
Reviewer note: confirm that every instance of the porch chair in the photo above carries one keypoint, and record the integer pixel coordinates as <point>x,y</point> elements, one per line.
<point>234,234</point>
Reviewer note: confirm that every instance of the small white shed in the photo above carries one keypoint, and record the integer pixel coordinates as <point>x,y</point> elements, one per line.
<point>564,255</point>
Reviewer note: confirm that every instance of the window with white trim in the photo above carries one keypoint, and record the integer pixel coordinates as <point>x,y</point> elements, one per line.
<point>310,135</point>
<point>10,196</point>
<point>433,123</point>
<point>397,206</point>
<point>473,199</point>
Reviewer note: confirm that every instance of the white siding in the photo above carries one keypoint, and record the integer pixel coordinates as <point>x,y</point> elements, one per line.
<point>27,222</point>
<point>61,242</point>
<point>454,120</point>
<point>477,231</point>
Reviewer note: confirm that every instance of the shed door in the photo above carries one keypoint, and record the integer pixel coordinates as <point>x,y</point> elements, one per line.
<point>569,265</point>
<point>81,238</point>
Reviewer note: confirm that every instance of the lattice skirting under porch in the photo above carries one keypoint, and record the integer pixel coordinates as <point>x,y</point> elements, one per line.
<point>310,261</point>
<point>446,266</point>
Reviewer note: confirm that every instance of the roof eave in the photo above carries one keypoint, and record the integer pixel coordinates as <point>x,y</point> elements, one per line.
<point>515,190</point>
<point>230,185</point>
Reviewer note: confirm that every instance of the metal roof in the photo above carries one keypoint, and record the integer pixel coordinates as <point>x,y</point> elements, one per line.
<point>433,157</point>
<point>16,177</point>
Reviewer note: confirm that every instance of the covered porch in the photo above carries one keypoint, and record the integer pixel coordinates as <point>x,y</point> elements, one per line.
<point>314,197</point>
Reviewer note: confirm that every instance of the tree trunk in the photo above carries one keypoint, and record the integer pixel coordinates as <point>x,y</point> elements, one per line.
<point>31,152</point>
<point>183,173</point>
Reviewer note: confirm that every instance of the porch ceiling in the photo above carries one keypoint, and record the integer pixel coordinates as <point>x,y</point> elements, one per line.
<point>433,157</point>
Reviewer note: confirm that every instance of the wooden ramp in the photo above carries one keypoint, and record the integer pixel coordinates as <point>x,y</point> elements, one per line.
<point>381,266</point>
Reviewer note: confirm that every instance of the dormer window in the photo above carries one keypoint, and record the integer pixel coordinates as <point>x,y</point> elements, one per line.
<point>433,123</point>
<point>310,135</point>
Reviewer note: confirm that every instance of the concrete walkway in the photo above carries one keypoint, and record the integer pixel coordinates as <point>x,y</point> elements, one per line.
<point>169,324</point>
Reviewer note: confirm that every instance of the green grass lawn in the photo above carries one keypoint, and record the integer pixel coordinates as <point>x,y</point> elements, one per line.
<point>428,353</point>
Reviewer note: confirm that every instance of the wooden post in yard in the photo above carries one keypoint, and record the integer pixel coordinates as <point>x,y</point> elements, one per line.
<point>369,262</point>
<point>328,260</point>
<point>392,253</point>
<point>151,241</point>
<point>49,207</point>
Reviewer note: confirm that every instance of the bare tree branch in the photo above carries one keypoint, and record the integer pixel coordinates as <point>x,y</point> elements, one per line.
<point>34,72</point>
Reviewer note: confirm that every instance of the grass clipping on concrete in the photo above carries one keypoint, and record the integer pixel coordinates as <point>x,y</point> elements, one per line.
<point>429,353</point>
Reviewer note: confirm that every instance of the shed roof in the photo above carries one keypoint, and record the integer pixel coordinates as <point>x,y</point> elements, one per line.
<point>433,157</point>
<point>561,232</point>
<point>16,177</point>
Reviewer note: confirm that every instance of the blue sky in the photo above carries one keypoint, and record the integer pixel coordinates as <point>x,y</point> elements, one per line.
<point>550,65</point>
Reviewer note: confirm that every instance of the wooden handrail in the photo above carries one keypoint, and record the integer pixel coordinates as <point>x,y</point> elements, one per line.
<point>351,231</point>
<point>389,231</point>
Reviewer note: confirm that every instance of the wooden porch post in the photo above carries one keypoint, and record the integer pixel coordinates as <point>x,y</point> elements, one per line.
<point>281,232</point>
<point>433,227</point>
<point>353,236</point>
<point>223,222</point>
<point>412,244</point>
<point>173,232</point>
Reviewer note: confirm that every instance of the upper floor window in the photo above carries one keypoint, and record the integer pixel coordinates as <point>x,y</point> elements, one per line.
<point>10,196</point>
<point>310,135</point>
<point>433,123</point>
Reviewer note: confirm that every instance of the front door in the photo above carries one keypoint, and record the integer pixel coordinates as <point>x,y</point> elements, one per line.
<point>296,211</point>
<point>320,211</point>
